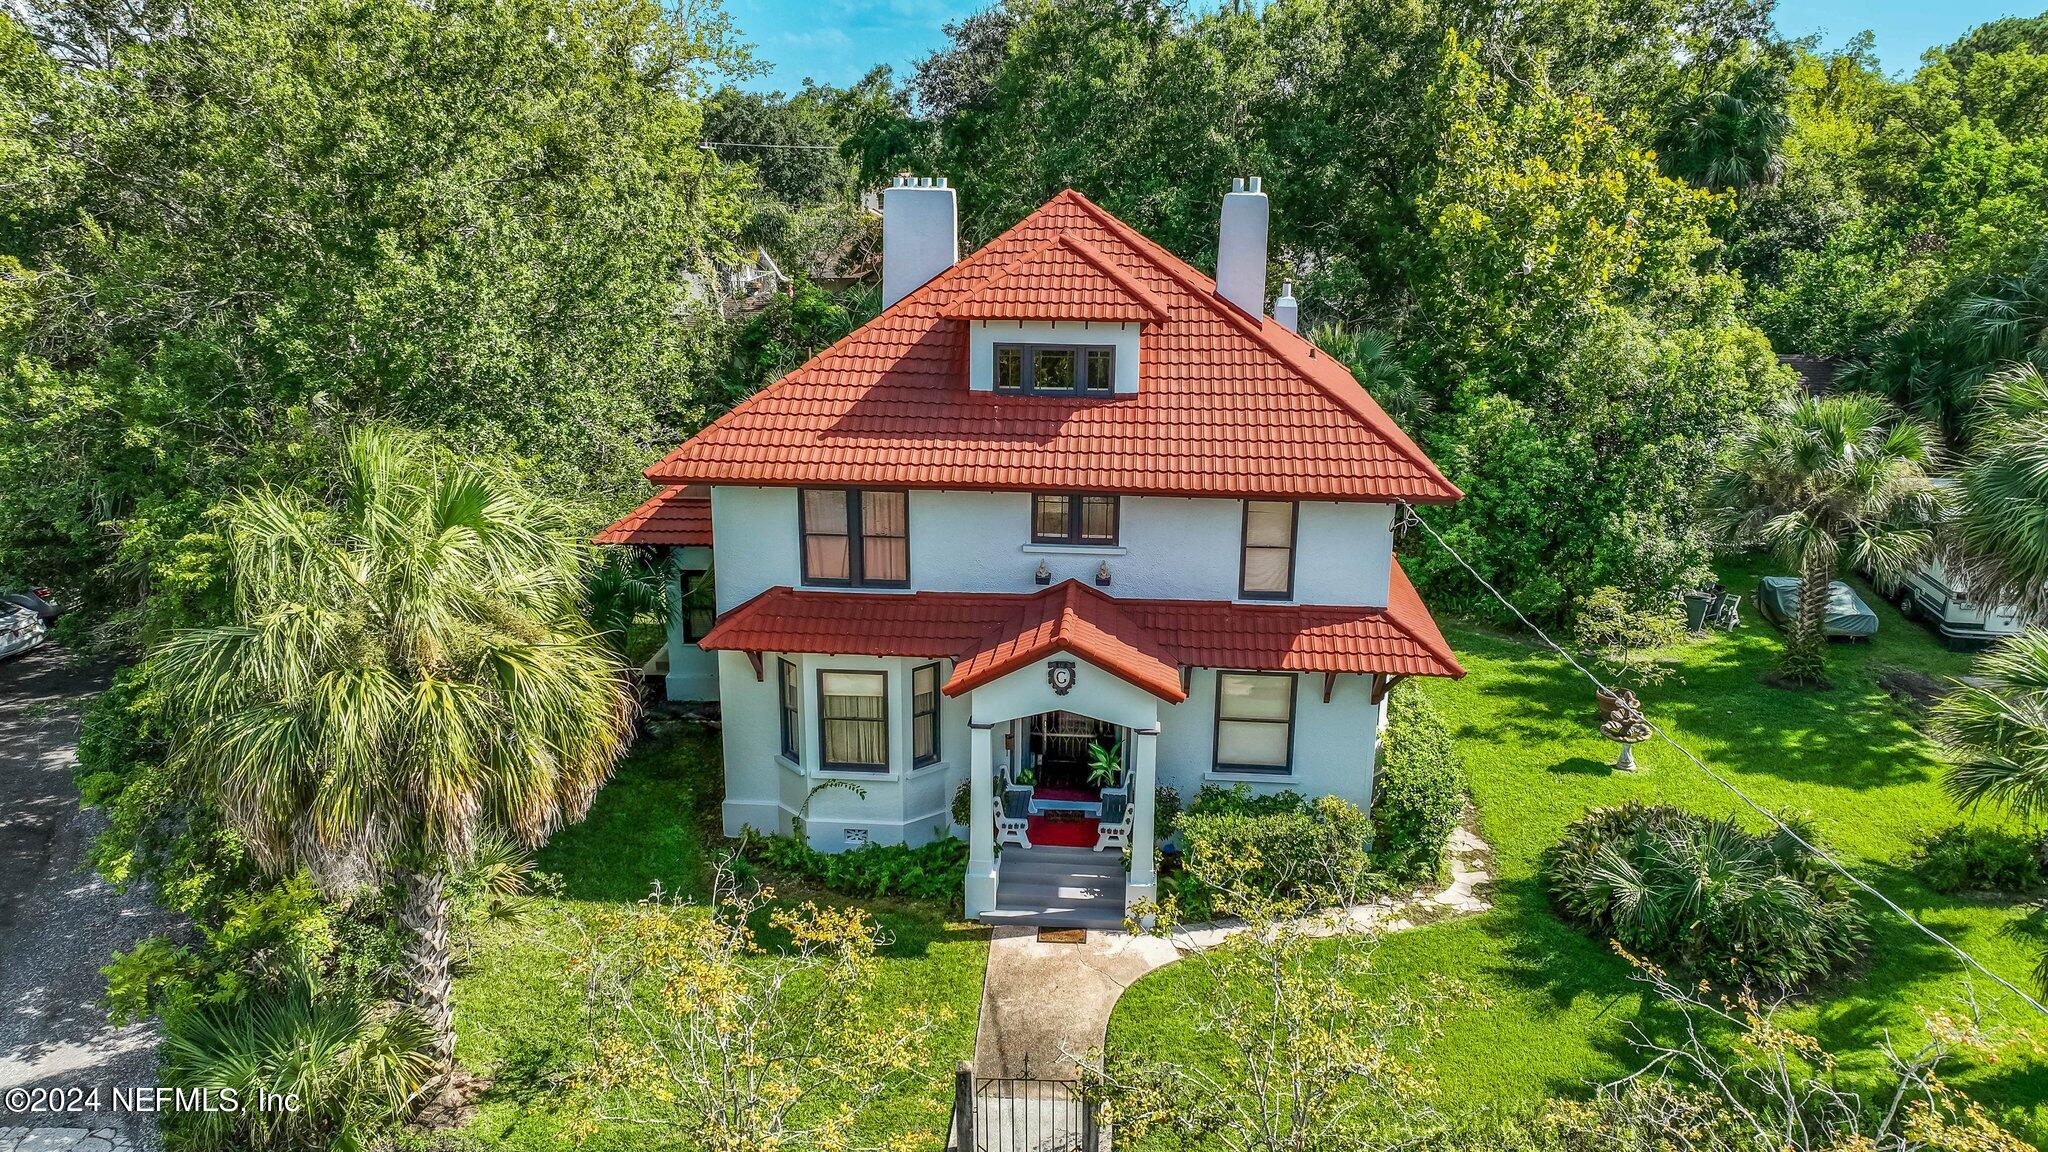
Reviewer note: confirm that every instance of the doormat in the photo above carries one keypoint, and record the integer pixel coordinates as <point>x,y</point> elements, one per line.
<point>1062,935</point>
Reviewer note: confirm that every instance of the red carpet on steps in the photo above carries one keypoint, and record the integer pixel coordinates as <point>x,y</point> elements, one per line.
<point>1046,832</point>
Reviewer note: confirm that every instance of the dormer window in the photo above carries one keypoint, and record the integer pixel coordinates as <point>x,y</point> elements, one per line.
<point>1060,369</point>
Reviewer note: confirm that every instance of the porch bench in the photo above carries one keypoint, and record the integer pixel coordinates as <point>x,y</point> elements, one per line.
<point>1013,823</point>
<point>1115,829</point>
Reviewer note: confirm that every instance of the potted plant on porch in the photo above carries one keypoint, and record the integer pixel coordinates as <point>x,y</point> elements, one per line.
<point>1106,767</point>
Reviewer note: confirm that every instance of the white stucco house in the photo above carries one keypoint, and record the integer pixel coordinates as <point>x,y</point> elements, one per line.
<point>1065,503</point>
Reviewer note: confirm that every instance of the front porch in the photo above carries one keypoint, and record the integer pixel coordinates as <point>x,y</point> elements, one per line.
<point>1059,797</point>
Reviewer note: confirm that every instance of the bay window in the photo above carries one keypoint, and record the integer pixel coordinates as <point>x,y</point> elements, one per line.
<point>924,715</point>
<point>853,721</point>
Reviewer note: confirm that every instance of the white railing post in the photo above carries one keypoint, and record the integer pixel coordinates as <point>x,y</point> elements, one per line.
<point>1143,882</point>
<point>981,831</point>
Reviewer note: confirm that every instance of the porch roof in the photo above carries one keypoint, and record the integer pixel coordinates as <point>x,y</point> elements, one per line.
<point>1146,642</point>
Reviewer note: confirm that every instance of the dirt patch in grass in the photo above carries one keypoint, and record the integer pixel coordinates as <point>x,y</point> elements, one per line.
<point>1913,690</point>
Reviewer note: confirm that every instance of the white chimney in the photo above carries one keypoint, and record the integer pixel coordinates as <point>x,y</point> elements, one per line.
<point>1287,310</point>
<point>1241,248</point>
<point>920,234</point>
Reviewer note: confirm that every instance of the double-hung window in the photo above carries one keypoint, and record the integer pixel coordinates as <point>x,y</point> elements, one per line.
<point>1073,518</point>
<point>924,715</point>
<point>792,724</point>
<point>855,537</point>
<point>853,721</point>
<point>1071,369</point>
<point>1254,721</point>
<point>1266,570</point>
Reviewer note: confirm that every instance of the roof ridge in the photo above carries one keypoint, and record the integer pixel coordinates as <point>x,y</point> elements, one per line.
<point>1204,290</point>
<point>1080,246</point>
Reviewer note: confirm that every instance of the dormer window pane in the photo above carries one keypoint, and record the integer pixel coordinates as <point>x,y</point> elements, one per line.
<point>1052,369</point>
<point>827,557</point>
<point>1101,370</point>
<point>1009,368</point>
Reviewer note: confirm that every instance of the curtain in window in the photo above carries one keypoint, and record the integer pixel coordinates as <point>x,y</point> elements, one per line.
<point>885,536</point>
<point>826,555</point>
<point>853,715</point>
<point>1253,715</point>
<point>1268,547</point>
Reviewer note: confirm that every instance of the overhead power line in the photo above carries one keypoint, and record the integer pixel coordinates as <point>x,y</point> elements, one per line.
<point>709,144</point>
<point>1409,517</point>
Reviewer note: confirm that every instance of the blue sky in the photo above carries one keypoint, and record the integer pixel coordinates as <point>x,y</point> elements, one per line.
<point>836,41</point>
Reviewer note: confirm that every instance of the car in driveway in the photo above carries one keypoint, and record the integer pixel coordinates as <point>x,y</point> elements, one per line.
<point>41,601</point>
<point>21,630</point>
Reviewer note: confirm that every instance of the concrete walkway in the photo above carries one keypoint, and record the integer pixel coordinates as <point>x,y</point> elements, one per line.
<point>1043,1005</point>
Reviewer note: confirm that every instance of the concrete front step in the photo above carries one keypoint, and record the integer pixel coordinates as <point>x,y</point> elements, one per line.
<point>1057,887</point>
<point>1097,918</point>
<point>1106,871</point>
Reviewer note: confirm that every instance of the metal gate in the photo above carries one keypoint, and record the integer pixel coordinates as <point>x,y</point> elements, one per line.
<point>1023,1115</point>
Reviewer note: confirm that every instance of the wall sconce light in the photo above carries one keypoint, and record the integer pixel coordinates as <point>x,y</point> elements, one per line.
<point>1043,575</point>
<point>1102,575</point>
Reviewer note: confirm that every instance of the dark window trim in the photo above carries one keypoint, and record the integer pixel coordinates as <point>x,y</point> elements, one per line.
<point>791,712</point>
<point>1080,385</point>
<point>856,536</point>
<point>1244,547</point>
<point>936,714</point>
<point>1216,730</point>
<point>1073,538</point>
<point>825,765</point>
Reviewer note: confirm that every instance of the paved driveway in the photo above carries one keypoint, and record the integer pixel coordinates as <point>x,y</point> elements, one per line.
<point>59,924</point>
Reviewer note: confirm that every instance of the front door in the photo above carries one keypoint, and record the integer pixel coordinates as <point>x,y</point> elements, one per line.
<point>1059,745</point>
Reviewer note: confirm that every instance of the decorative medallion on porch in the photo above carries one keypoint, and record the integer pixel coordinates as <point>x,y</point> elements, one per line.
<point>1060,674</point>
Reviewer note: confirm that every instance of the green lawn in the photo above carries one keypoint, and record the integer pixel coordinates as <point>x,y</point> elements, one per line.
<point>518,1017</point>
<point>1547,1010</point>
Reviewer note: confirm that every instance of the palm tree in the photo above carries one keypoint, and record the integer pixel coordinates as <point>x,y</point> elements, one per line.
<point>1730,138</point>
<point>407,677</point>
<point>1999,541</point>
<point>1839,478</point>
<point>1995,728</point>
<point>1369,354</point>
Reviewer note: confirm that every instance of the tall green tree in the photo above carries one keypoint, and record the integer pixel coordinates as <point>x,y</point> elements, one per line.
<point>258,222</point>
<point>407,674</point>
<point>1841,479</point>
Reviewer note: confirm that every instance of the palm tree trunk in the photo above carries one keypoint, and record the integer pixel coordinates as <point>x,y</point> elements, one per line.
<point>427,961</point>
<point>1806,648</point>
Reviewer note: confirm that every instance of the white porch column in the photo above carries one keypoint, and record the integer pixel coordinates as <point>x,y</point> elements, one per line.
<point>1143,882</point>
<point>981,833</point>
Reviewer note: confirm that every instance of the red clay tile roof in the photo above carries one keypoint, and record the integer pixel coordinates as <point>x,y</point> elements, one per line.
<point>1143,641</point>
<point>1074,618</point>
<point>1068,279</point>
<point>1229,404</point>
<point>679,516</point>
